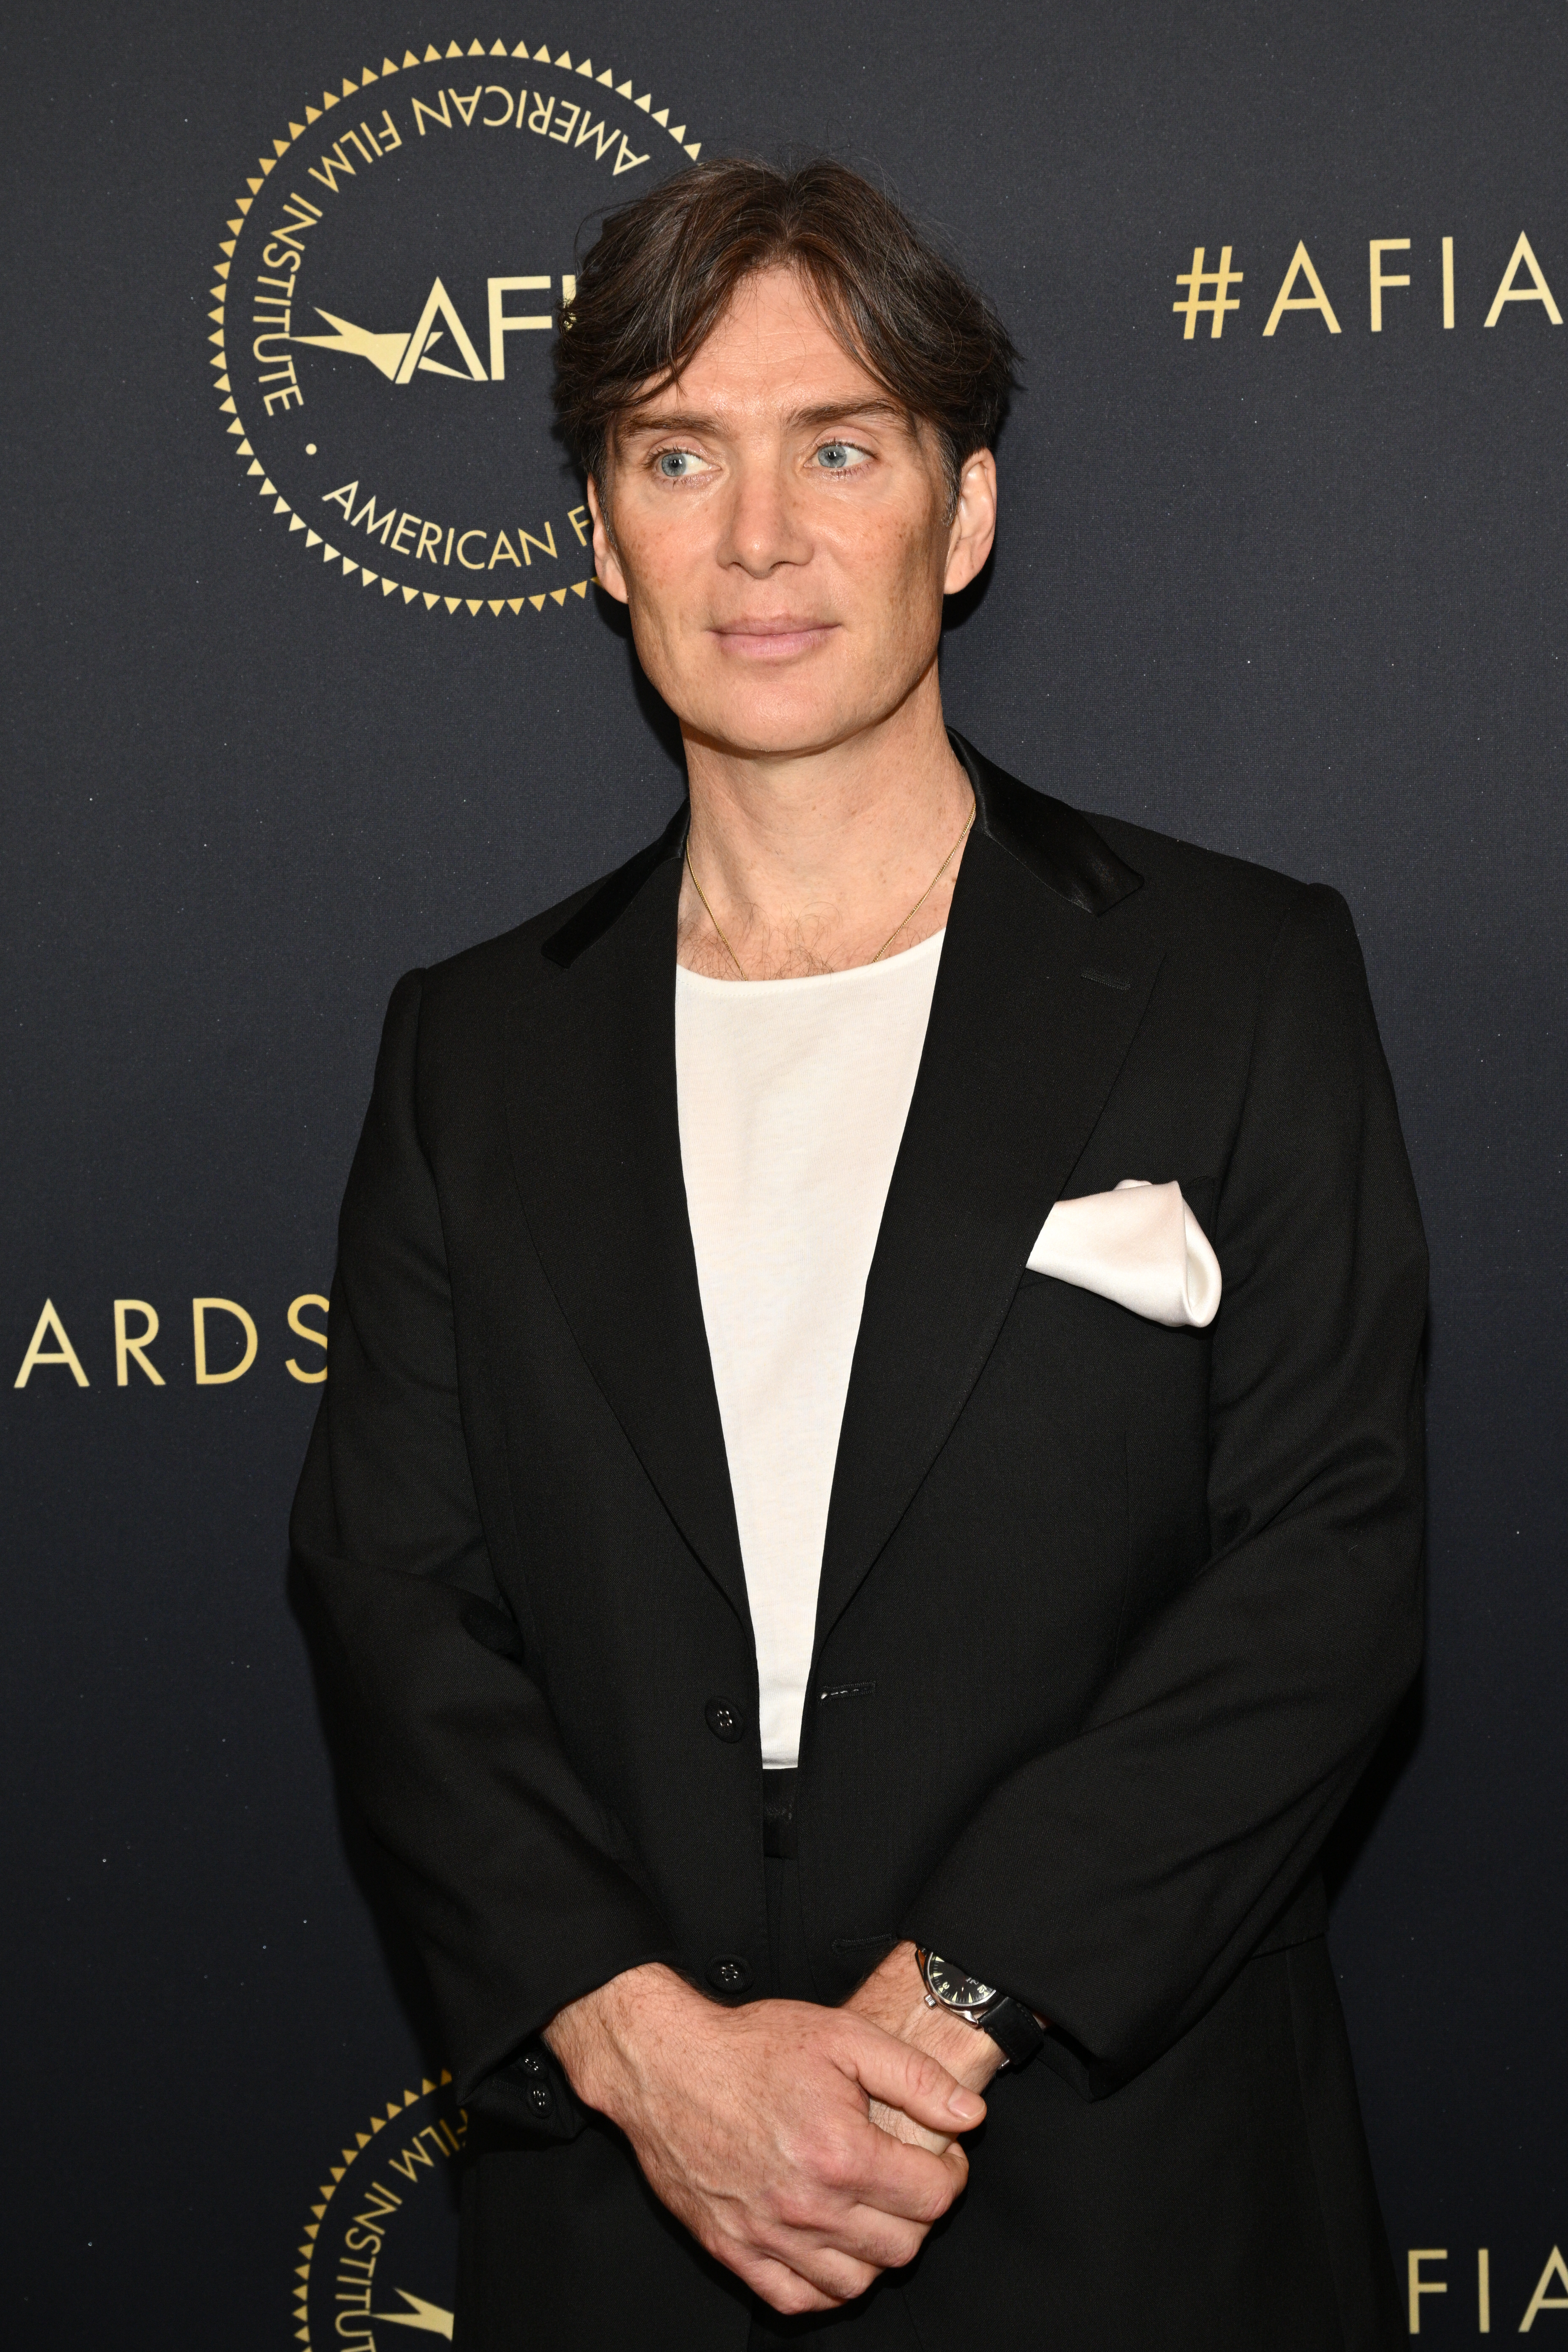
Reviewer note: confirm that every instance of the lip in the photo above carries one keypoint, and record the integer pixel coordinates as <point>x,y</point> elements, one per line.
<point>774,637</point>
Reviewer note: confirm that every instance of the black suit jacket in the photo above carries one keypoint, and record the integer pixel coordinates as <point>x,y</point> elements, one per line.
<point>1112,1616</point>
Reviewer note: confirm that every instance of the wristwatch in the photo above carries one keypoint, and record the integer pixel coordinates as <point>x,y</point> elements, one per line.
<point>1017,2031</point>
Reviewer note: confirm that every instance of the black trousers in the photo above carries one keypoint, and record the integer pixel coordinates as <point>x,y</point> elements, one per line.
<point>877,2322</point>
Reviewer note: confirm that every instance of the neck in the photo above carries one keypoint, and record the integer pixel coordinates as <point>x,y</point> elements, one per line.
<point>815,861</point>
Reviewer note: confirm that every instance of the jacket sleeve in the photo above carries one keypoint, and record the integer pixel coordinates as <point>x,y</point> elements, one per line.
<point>509,1875</point>
<point>1119,1882</point>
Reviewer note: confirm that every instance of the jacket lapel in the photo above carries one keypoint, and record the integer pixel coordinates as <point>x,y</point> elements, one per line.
<point>596,1144</point>
<point>1021,1050</point>
<point>1032,1015</point>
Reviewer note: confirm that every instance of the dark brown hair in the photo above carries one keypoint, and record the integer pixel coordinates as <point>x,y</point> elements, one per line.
<point>665,267</point>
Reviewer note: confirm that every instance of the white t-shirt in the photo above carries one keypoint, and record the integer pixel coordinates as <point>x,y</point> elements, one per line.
<point>793,1095</point>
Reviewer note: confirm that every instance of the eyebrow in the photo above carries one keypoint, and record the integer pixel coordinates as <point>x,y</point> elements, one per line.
<point>830,411</point>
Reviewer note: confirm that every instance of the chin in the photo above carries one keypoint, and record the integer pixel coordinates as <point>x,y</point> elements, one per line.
<point>775,732</point>
<point>790,711</point>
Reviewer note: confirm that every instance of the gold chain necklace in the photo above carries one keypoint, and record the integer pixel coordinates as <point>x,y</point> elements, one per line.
<point>901,925</point>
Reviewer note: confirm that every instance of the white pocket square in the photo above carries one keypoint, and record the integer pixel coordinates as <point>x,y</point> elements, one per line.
<point>1140,1246</point>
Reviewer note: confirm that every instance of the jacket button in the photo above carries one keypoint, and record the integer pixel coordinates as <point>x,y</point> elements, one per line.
<point>539,2099</point>
<point>728,1973</point>
<point>724,1720</point>
<point>533,2064</point>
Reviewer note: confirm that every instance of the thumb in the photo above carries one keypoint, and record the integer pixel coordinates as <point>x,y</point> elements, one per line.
<point>902,2076</point>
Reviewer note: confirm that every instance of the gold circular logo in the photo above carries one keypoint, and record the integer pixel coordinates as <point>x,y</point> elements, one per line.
<point>385,298</point>
<point>380,2248</point>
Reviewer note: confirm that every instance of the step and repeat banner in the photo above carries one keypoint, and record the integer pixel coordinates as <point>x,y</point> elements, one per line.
<point>308,681</point>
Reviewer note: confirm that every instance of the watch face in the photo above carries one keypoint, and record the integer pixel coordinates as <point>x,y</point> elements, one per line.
<point>953,1989</point>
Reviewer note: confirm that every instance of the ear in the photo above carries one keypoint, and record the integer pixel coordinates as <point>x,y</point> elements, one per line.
<point>973,527</point>
<point>606,563</point>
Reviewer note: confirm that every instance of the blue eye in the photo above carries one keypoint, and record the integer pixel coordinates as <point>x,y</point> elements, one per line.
<point>838,457</point>
<point>678,464</point>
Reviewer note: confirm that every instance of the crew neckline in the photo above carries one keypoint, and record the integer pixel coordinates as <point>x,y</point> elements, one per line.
<point>930,949</point>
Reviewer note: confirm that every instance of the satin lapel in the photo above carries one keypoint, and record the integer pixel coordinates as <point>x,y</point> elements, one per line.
<point>595,1142</point>
<point>1021,1053</point>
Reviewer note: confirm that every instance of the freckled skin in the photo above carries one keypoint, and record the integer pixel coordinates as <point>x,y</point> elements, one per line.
<point>780,532</point>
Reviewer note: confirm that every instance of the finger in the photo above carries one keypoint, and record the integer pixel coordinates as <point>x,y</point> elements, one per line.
<point>835,2276</point>
<point>872,2236</point>
<point>913,2183</point>
<point>911,2079</point>
<point>781,2288</point>
<point>865,2235</point>
<point>898,2126</point>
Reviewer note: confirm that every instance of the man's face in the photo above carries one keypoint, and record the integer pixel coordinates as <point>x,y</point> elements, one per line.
<point>780,533</point>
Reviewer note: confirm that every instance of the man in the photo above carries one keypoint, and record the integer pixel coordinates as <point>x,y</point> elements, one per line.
<point>851,1663</point>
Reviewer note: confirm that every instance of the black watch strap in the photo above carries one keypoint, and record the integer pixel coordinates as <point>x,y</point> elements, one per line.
<point>1017,2031</point>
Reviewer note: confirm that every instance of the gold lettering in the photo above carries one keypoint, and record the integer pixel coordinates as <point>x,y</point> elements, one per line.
<point>1377,248</point>
<point>305,1331</point>
<point>578,519</point>
<point>200,1309</point>
<point>437,114</point>
<point>1447,281</point>
<point>1301,260</point>
<point>546,545</point>
<point>406,523</point>
<point>1540,2301</point>
<point>543,110</point>
<point>603,134</point>
<point>382,523</point>
<point>462,558</point>
<point>1537,291</point>
<point>438,305</point>
<point>501,325</point>
<point>125,1347</point>
<point>430,540</point>
<point>503,551</point>
<point>327,175</point>
<point>497,122</point>
<point>48,1321</point>
<point>1418,2284</point>
<point>1217,303</point>
<point>564,128</point>
<point>412,2154</point>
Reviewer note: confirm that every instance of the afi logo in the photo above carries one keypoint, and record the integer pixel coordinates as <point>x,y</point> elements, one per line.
<point>397,356</point>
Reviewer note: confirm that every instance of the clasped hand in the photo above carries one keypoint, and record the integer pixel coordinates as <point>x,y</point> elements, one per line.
<point>808,2149</point>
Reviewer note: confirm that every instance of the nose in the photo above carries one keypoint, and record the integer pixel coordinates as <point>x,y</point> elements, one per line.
<point>764,528</point>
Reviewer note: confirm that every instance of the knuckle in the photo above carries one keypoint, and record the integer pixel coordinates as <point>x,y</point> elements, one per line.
<point>793,2208</point>
<point>934,2199</point>
<point>835,2166</point>
<point>792,2295</point>
<point>927,2073</point>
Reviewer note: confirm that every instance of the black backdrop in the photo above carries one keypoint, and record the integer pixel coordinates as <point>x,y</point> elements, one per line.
<point>1295,595</point>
